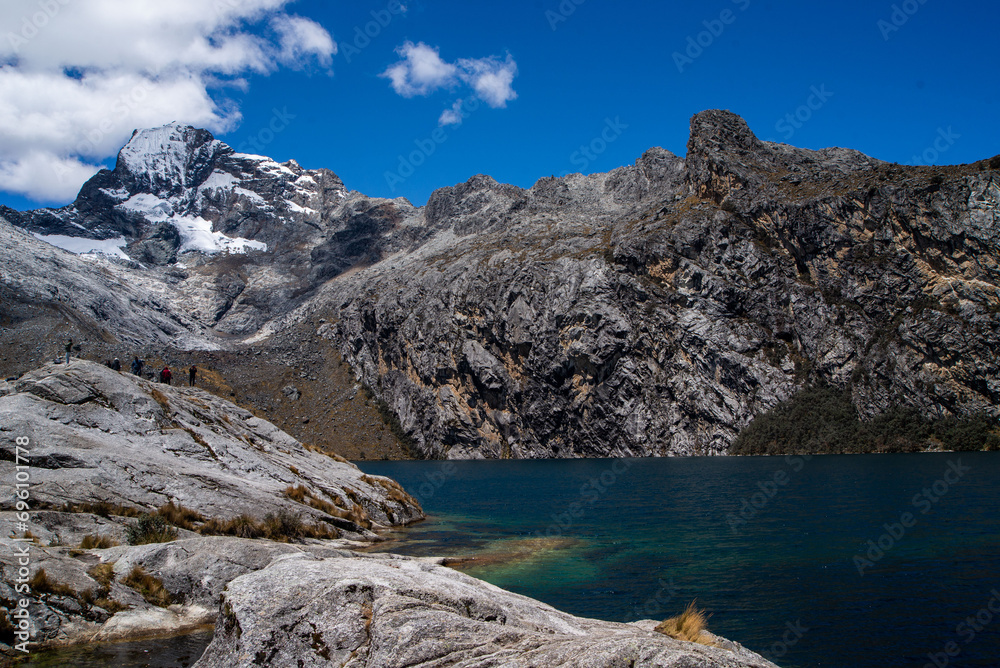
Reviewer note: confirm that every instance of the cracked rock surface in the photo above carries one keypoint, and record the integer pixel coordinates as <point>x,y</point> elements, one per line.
<point>399,612</point>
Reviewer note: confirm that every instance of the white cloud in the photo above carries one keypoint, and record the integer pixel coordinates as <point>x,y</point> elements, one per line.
<point>422,71</point>
<point>45,175</point>
<point>491,78</point>
<point>77,77</point>
<point>301,38</point>
<point>452,115</point>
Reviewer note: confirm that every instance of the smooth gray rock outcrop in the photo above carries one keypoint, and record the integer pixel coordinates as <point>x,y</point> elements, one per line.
<point>110,442</point>
<point>97,435</point>
<point>398,612</point>
<point>194,570</point>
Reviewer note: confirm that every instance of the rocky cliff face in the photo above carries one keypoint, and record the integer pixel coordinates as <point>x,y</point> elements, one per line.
<point>653,310</point>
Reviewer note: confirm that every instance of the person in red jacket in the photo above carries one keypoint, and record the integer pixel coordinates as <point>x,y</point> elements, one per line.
<point>165,375</point>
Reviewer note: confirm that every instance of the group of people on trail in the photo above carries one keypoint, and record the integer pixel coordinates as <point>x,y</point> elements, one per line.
<point>165,375</point>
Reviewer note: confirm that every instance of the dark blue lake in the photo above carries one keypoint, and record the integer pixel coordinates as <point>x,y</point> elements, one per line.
<point>793,575</point>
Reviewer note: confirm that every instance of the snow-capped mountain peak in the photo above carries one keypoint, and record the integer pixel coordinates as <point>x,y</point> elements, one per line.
<point>162,160</point>
<point>176,189</point>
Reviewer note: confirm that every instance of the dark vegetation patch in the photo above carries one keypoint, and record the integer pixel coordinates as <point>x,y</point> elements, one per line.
<point>390,418</point>
<point>148,529</point>
<point>823,420</point>
<point>41,583</point>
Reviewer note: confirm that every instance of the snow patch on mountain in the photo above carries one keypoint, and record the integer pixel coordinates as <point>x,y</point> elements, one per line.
<point>266,164</point>
<point>84,246</point>
<point>118,193</point>
<point>197,235</point>
<point>149,206</point>
<point>252,196</point>
<point>196,232</point>
<point>219,180</point>
<point>298,208</point>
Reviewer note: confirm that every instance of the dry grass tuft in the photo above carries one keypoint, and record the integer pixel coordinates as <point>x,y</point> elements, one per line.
<point>40,583</point>
<point>100,600</point>
<point>356,514</point>
<point>149,587</point>
<point>282,527</point>
<point>393,490</point>
<point>101,508</point>
<point>161,399</point>
<point>690,625</point>
<point>241,526</point>
<point>93,542</point>
<point>179,516</point>
<point>104,574</point>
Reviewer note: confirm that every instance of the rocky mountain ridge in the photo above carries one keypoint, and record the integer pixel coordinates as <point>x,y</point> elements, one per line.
<point>652,310</point>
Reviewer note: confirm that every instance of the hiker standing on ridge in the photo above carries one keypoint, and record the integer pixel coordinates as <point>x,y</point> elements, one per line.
<point>165,375</point>
<point>137,367</point>
<point>116,365</point>
<point>69,348</point>
<point>192,375</point>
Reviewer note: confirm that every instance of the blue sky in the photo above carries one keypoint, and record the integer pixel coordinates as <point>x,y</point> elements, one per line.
<point>901,81</point>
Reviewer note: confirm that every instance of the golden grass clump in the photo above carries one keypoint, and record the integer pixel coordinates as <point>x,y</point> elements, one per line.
<point>149,587</point>
<point>94,542</point>
<point>357,514</point>
<point>241,526</point>
<point>104,574</point>
<point>282,527</point>
<point>100,600</point>
<point>40,583</point>
<point>101,508</point>
<point>161,399</point>
<point>690,625</point>
<point>179,516</point>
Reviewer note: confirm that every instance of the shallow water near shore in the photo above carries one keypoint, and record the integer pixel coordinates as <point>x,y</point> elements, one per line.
<point>643,538</point>
<point>179,652</point>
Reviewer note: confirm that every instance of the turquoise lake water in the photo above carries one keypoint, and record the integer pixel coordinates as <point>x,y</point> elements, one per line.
<point>793,577</point>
